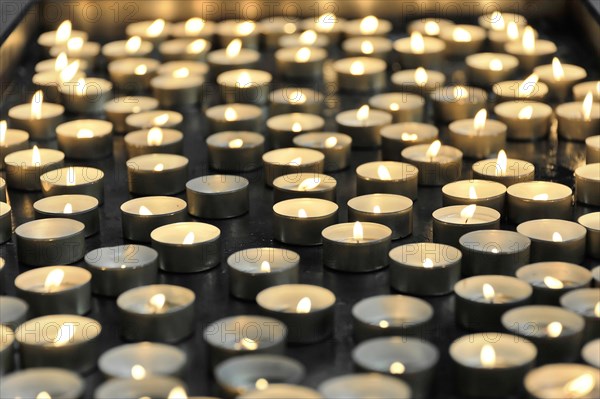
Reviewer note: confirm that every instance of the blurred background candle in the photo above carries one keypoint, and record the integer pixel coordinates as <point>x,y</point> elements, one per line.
<point>14,311</point>
<point>497,21</point>
<point>537,200</point>
<point>479,192</point>
<point>485,69</point>
<point>367,26</point>
<point>154,31</point>
<point>285,161</point>
<point>586,302</point>
<point>419,81</point>
<point>478,137</point>
<point>404,107</point>
<point>304,185</point>
<point>587,184</point>
<point>529,88</point>
<point>580,90</point>
<point>50,82</point>
<point>11,140</point>
<point>555,240</point>
<point>35,381</point>
<point>180,88</point>
<point>387,177</point>
<point>398,136</point>
<point>418,51</point>
<point>5,222</point>
<point>592,149</point>
<point>300,63</point>
<point>74,180</point>
<point>24,168</point>
<point>235,151</point>
<point>451,103</point>
<point>154,118</point>
<point>244,86</point>
<point>193,28</point>
<point>157,174</point>
<point>394,211</point>
<point>284,127</point>
<point>560,77</point>
<point>120,108</point>
<point>336,147</point>
<point>525,120</point>
<point>234,117</point>
<point>157,386</point>
<point>299,221</point>
<point>429,26</point>
<point>462,40</point>
<point>557,380</point>
<point>360,74</point>
<point>85,139</point>
<point>155,140</point>
<point>327,24</point>
<point>363,125</point>
<point>438,164</point>
<point>289,100</point>
<point>194,67</point>
<point>504,170</point>
<point>132,75</point>
<point>86,95</point>
<point>551,280</point>
<point>274,28</point>
<point>80,49</point>
<point>364,384</point>
<point>38,118</point>
<point>494,252</point>
<point>82,208</point>
<point>232,57</point>
<point>142,360</point>
<point>510,33</point>
<point>308,38</point>
<point>246,31</point>
<point>130,48</point>
<point>370,46</point>
<point>140,216</point>
<point>530,51</point>
<point>184,49</point>
<point>61,35</point>
<point>451,222</point>
<point>591,221</point>
<point>590,351</point>
<point>578,120</point>
<point>218,196</point>
<point>7,349</point>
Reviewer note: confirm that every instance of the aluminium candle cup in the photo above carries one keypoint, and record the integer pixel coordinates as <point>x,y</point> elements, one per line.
<point>58,382</point>
<point>590,353</point>
<point>592,149</point>
<point>580,90</point>
<point>42,129</point>
<point>50,242</point>
<point>342,252</point>
<point>364,385</point>
<point>532,322</point>
<point>591,221</point>
<point>403,178</point>
<point>542,53</point>
<point>22,173</point>
<point>556,201</point>
<point>551,381</point>
<point>14,140</point>
<point>404,107</point>
<point>76,141</point>
<point>157,174</point>
<point>451,103</point>
<point>449,224</point>
<point>218,196</point>
<point>172,91</point>
<point>424,268</point>
<point>304,185</point>
<point>288,100</point>
<point>486,193</point>
<point>517,171</point>
<point>158,360</point>
<point>138,223</point>
<point>273,28</point>
<point>226,154</point>
<point>365,133</point>
<point>220,62</point>
<point>520,90</point>
<point>230,29</point>
<point>83,208</point>
<point>398,136</point>
<point>235,117</point>
<point>120,268</point>
<point>86,96</point>
<point>13,311</point>
<point>50,83</point>
<point>390,315</point>
<point>290,226</point>
<point>2,271</point>
<point>519,128</point>
<point>242,375</point>
<point>442,169</point>
<point>285,161</point>
<point>494,252</point>
<point>177,255</point>
<point>483,73</point>
<point>117,50</point>
<point>65,341</point>
<point>477,143</point>
<point>141,142</point>
<point>583,302</point>
<point>284,127</point>
<point>418,357</point>
<point>369,46</point>
<point>5,222</point>
<point>244,335</point>
<point>431,56</point>
<point>587,184</point>
<point>184,49</point>
<point>546,246</point>
<point>300,63</point>
<point>515,356</point>
<point>141,320</point>
<point>248,273</point>
<point>410,80</point>
<point>305,326</point>
<point>7,349</point>
<point>234,88</point>
<point>128,388</point>
<point>153,118</point>
<point>475,312</point>
<point>569,277</point>
<point>571,123</point>
<point>336,151</point>
<point>2,190</point>
<point>457,46</point>
<point>560,89</point>
<point>391,210</point>
<point>74,180</point>
<point>371,77</point>
<point>596,276</point>
<point>326,25</point>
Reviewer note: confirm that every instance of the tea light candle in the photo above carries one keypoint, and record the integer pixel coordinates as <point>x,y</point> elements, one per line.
<point>273,28</point>
<point>61,35</point>
<point>586,302</point>
<point>451,222</point>
<point>187,247</point>
<point>555,240</point>
<point>591,353</point>
<point>304,185</point>
<point>326,24</point>
<point>424,268</point>
<point>5,222</point>
<point>404,107</point>
<point>556,380</point>
<point>181,88</point>
<point>116,269</point>
<point>159,312</point>
<point>418,51</point>
<point>130,48</point>
<point>356,247</point>
<point>398,136</point>
<point>11,140</point>
<point>370,46</point>
<point>478,192</point>
<point>364,385</point>
<point>193,28</point>
<point>155,140</point>
<point>532,120</point>
<point>82,208</point>
<point>306,310</point>
<point>300,63</point>
<point>184,49</point>
<point>290,100</point>
<point>451,103</point>
<point>485,69</point>
<point>63,341</point>
<point>387,177</point>
<point>412,359</point>
<point>587,184</point>
<point>86,95</point>
<point>485,365</point>
<point>132,74</point>
<point>419,81</point>
<point>529,88</point>
<point>498,20</point>
<point>363,125</point>
<point>336,147</point>
<point>482,300</point>
<point>24,168</point>
<point>529,50</point>
<point>56,241</point>
<point>13,311</point>
<point>141,360</point>
<point>154,387</point>
<point>538,200</point>
<point>285,161</point>
<point>478,137</point>
<point>74,180</point>
<point>360,74</point>
<point>194,67</point>
<point>232,57</point>
<point>244,335</point>
<point>557,333</point>
<point>85,139</point>
<point>154,118</point>
<point>244,86</point>
<point>438,164</point>
<point>157,174</point>
<point>591,221</point>
<point>55,289</point>
<point>300,221</point>
<point>78,48</point>
<point>118,109</point>
<point>494,252</point>
<point>235,151</point>
<point>550,280</point>
<point>235,117</point>
<point>218,196</point>
<point>504,170</point>
<point>2,190</point>
<point>282,128</point>
<point>140,216</point>
<point>154,31</point>
<point>511,32</point>
<point>429,26</point>
<point>560,77</point>
<point>255,269</point>
<point>38,118</point>
<point>592,149</point>
<point>578,120</point>
<point>367,26</point>
<point>50,82</point>
<point>462,40</point>
<point>245,31</point>
<point>32,382</point>
<point>7,339</point>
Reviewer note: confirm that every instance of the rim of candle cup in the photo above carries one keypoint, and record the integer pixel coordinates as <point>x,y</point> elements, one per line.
<point>139,138</point>
<point>194,67</point>
<point>71,128</point>
<point>203,184</point>
<point>215,337</point>
<point>388,203</point>
<point>513,92</point>
<point>368,171</point>
<point>481,212</point>
<point>558,375</point>
<point>49,229</point>
<point>157,386</point>
<point>495,239</point>
<point>244,112</point>
<point>589,172</point>
<point>179,45</point>
<point>371,65</point>
<point>573,299</point>
<point>377,117</point>
<point>508,109</point>
<point>291,182</point>
<point>508,61</point>
<point>14,136</point>
<point>537,231</point>
<point>158,205</point>
<point>383,307</point>
<point>132,256</point>
<point>4,208</point>
<point>278,96</point>
<point>117,48</point>
<point>466,350</point>
<point>405,101</point>
<point>147,162</point>
<point>309,156</point>
<point>581,89</point>
<point>12,310</point>
<point>140,103</point>
<point>246,56</point>
<point>520,319</point>
<point>517,289</point>
<point>465,127</point>
<point>48,157</point>
<point>34,331</point>
<point>572,73</point>
<point>432,45</point>
<point>596,274</point>
<point>177,297</point>
<point>477,33</point>
<point>535,272</point>
<point>222,139</point>
<point>590,221</point>
<point>405,254</point>
<point>174,233</point>
<point>157,359</point>
<point>274,298</point>
<point>325,208</point>
<point>486,190</point>
<point>168,82</point>
<point>416,152</point>
<point>590,353</point>
<point>341,231</point>
<point>61,383</point>
<point>593,141</point>
<point>60,177</point>
<point>52,78</point>
<point>241,373</point>
<point>522,191</point>
<point>314,140</point>
<point>7,336</point>
<point>542,47</point>
<point>309,122</point>
<point>279,260</point>
<point>424,131</point>
<point>364,385</point>
<point>258,76</point>
<point>74,278</point>
<point>282,391</point>
<point>420,354</point>
<point>53,206</point>
<point>562,110</point>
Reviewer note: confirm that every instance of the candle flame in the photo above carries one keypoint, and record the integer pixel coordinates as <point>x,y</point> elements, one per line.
<point>177,393</point>
<point>331,142</point>
<point>460,92</point>
<point>75,44</point>
<point>196,47</point>
<point>248,344</point>
<point>261,384</point>
<point>63,33</point>
<point>494,250</point>
<point>64,334</point>
<point>160,120</point>
<point>363,113</point>
<point>384,173</point>
<point>296,161</point>
<point>309,184</point>
<point>527,87</point>
<point>68,209</point>
<point>369,25</point>
<point>366,47</point>
<point>154,136</point>
<point>580,386</point>
<point>230,114</point>
<point>554,329</point>
<point>235,143</point>
<point>133,44</point>
<point>417,44</point>
<point>302,55</point>
<point>61,61</point>
<point>304,305</point>
<point>53,280</point>
<point>85,134</point>
<point>358,232</point>
<point>496,64</point>
<point>144,211</point>
<point>189,238</point>
<point>557,70</point>
<point>43,395</point>
<point>394,107</point>
<point>289,28</point>
<point>156,28</point>
<point>528,40</point>
<point>409,136</point>
<point>80,87</point>
<point>69,72</point>
<point>479,120</point>
<point>245,28</point>
<point>357,68</point>
<point>233,48</point>
<point>377,209</point>
<point>472,193</point>
<point>159,167</point>
<point>36,105</point>
<point>488,292</point>
<point>265,267</point>
<point>556,237</point>
<point>421,77</point>
<point>194,25</point>
<point>468,211</point>
<point>525,112</point>
<point>433,149</point>
<point>71,177</point>
<point>512,31</point>
<point>553,283</point>
<point>302,213</point>
<point>461,35</point>
<point>428,263</point>
<point>308,38</point>
<point>2,132</point>
<point>541,197</point>
<point>296,97</point>
<point>157,302</point>
<point>181,73</point>
<point>138,372</point>
<point>431,28</point>
<point>326,21</point>
<point>586,107</point>
<point>497,21</point>
<point>296,127</point>
<point>501,163</point>
<point>487,356</point>
<point>140,70</point>
<point>397,368</point>
<point>597,309</point>
<point>384,324</point>
<point>36,158</point>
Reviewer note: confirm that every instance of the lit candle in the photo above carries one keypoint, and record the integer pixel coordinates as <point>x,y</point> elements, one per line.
<point>132,75</point>
<point>404,107</point>
<point>578,120</point>
<point>587,184</point>
<point>394,211</point>
<point>585,302</point>
<point>292,99</point>
<point>155,140</point>
<point>418,51</point>
<point>132,47</point>
<point>478,137</point>
<point>11,140</point>
<point>537,200</point>
<point>154,31</point>
<point>525,120</point>
<point>512,32</point>
<point>420,81</point>
<point>5,222</point>
<point>218,196</point>
<point>82,180</point>
<point>462,40</point>
<point>497,21</point>
<point>363,125</point>
<point>367,26</point>
<point>86,95</point>
<point>551,280</point>
<point>155,386</point>
<point>78,48</point>
<point>560,77</point>
<point>438,164</point>
<point>51,81</point>
<point>387,177</point>
<point>245,31</point>
<point>37,118</point>
<point>24,168</point>
<point>374,46</point>
<point>154,118</point>
<point>140,216</point>
<point>194,67</point>
<point>61,35</point>
<point>308,38</point>
<point>591,221</point>
<point>429,26</point>
<point>529,88</point>
<point>144,360</point>
<point>304,185</point>
<point>285,161</point>
<point>184,49</point>
<point>529,50</point>
<point>327,24</point>
<point>479,192</point>
<point>244,86</point>
<point>82,208</point>
<point>398,136</point>
<point>235,117</point>
<point>451,222</point>
<point>85,139</point>
<point>592,149</point>
<point>485,69</point>
<point>235,151</point>
<point>180,88</point>
<point>232,57</point>
<point>274,28</point>
<point>193,28</point>
<point>504,170</point>
<point>562,380</point>
<point>118,109</point>
<point>580,90</point>
<point>452,103</point>
<point>300,63</point>
<point>555,240</point>
<point>41,381</point>
<point>157,174</point>
<point>300,221</point>
<point>336,147</point>
<point>360,74</point>
<point>284,127</point>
